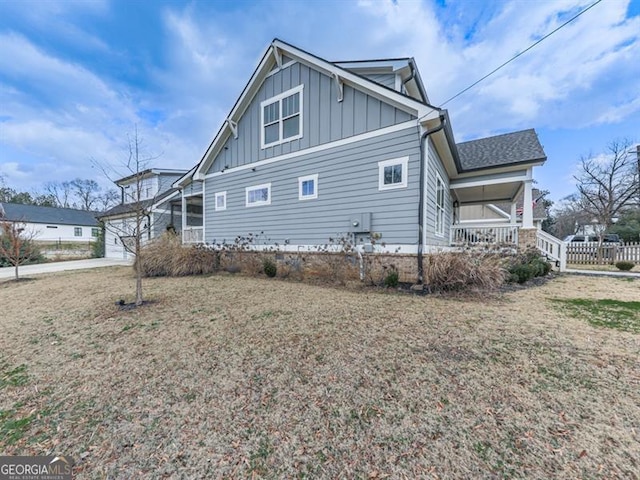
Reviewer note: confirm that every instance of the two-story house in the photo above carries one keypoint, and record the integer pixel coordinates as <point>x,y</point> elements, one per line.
<point>150,196</point>
<point>313,149</point>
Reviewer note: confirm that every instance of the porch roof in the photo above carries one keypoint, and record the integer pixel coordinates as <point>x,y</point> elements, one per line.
<point>516,148</point>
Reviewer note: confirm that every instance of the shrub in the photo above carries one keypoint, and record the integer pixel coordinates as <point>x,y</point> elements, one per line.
<point>97,246</point>
<point>392,278</point>
<point>269,267</point>
<point>453,271</point>
<point>521,273</point>
<point>624,265</point>
<point>525,266</point>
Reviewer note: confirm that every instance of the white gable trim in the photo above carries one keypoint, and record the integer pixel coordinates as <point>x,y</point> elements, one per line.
<point>319,148</point>
<point>279,69</point>
<point>372,88</point>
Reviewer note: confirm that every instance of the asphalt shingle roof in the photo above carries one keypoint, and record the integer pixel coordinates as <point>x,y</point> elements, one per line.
<point>62,216</point>
<point>501,150</point>
<point>124,208</point>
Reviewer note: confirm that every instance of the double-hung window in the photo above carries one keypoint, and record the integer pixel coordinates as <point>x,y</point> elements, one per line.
<point>281,118</point>
<point>258,195</point>
<point>393,173</point>
<point>440,206</point>
<point>308,187</point>
<point>77,231</point>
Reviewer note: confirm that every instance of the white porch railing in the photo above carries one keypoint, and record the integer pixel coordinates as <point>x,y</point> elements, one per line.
<point>554,248</point>
<point>192,235</point>
<point>484,234</point>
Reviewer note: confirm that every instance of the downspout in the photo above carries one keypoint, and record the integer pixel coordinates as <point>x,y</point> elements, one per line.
<point>121,194</point>
<point>424,137</point>
<point>410,77</point>
<point>148,215</point>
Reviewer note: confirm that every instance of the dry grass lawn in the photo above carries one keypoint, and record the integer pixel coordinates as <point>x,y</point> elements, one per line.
<point>231,377</point>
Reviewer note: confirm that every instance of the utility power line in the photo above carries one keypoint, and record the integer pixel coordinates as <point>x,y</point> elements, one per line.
<point>522,52</point>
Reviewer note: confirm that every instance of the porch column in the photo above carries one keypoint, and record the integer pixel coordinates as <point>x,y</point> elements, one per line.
<point>527,207</point>
<point>514,213</point>
<point>183,207</point>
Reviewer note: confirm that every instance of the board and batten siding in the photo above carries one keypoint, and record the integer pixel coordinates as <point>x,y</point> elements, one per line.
<point>324,118</point>
<point>434,164</point>
<point>347,185</point>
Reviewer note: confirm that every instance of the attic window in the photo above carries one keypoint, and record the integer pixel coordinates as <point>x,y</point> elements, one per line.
<point>281,118</point>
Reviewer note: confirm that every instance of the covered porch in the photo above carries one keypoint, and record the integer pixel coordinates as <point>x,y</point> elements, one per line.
<point>516,229</point>
<point>193,213</point>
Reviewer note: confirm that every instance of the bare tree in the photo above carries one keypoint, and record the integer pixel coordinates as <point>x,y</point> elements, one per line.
<point>569,216</point>
<point>107,199</point>
<point>607,184</point>
<point>61,191</point>
<point>86,191</point>
<point>132,231</point>
<point>16,244</point>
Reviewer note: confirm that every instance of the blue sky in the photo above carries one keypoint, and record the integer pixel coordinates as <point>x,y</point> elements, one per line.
<point>76,76</point>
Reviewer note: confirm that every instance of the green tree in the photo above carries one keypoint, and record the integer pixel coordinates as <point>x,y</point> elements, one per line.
<point>628,226</point>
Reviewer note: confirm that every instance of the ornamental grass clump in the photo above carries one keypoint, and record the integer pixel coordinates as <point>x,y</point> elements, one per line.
<point>458,271</point>
<point>167,257</point>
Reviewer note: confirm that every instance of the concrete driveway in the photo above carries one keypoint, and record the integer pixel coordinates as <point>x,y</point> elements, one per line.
<point>29,270</point>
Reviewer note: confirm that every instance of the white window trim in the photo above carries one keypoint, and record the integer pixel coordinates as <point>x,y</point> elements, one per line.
<point>315,187</point>
<point>215,198</point>
<point>404,161</point>
<point>258,187</point>
<point>278,98</point>
<point>440,209</point>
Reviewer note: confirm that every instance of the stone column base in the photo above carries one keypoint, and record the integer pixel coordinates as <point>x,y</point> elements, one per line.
<point>527,238</point>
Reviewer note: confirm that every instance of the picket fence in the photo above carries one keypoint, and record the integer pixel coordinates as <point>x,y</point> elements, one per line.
<point>591,254</point>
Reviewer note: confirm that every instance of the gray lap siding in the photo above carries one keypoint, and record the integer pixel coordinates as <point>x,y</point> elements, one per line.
<point>434,164</point>
<point>347,185</point>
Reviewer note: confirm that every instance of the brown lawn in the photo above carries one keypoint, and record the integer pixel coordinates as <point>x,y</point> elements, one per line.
<point>231,377</point>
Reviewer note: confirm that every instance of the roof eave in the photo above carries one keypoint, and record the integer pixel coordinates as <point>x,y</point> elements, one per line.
<point>528,163</point>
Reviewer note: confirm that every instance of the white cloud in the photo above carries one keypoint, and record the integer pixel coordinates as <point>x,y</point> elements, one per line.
<point>57,113</point>
<point>538,88</point>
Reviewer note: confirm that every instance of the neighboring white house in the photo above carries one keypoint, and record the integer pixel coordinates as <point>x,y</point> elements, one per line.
<point>159,205</point>
<point>52,224</point>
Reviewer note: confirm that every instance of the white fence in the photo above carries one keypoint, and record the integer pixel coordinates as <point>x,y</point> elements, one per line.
<point>592,254</point>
